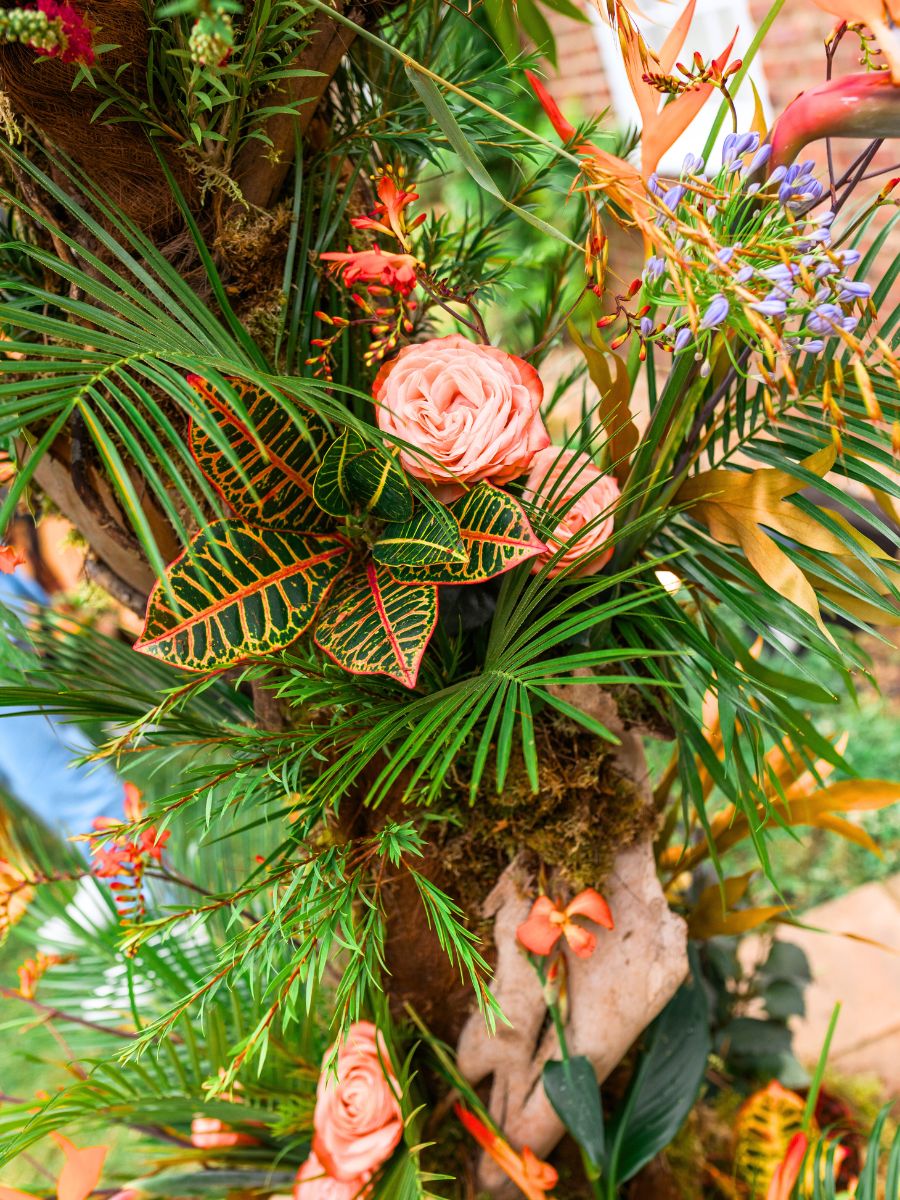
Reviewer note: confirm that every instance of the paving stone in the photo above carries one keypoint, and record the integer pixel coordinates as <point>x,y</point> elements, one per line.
<point>864,978</point>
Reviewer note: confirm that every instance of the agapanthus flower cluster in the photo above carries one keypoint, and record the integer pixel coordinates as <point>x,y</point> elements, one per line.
<point>381,280</point>
<point>749,251</point>
<point>51,29</point>
<point>124,860</point>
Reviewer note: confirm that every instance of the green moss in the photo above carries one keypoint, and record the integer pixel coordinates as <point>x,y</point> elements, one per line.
<point>584,813</point>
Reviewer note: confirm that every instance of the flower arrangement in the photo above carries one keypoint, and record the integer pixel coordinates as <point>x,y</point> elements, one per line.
<point>431,515</point>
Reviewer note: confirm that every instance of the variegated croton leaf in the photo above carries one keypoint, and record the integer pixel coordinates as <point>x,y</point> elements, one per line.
<point>238,592</point>
<point>354,477</point>
<point>496,536</point>
<point>432,536</point>
<point>278,458</point>
<point>247,587</point>
<point>376,626</point>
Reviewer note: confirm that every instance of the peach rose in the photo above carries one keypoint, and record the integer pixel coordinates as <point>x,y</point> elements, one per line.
<point>568,483</point>
<point>209,1133</point>
<point>474,409</point>
<point>314,1183</point>
<point>357,1119</point>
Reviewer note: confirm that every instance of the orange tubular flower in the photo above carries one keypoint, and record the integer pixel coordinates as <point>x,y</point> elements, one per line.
<point>547,923</point>
<point>392,201</point>
<point>394,271</point>
<point>529,1173</point>
<point>614,176</point>
<point>881,16</point>
<point>661,127</point>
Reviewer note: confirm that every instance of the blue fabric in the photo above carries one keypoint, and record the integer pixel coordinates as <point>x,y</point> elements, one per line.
<point>37,752</point>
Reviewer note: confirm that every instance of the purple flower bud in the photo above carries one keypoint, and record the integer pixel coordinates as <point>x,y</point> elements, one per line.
<point>692,164</point>
<point>683,339</point>
<point>725,255</point>
<point>716,312</point>
<point>826,268</point>
<point>673,197</point>
<point>825,219</point>
<point>825,318</point>
<point>848,257</point>
<point>653,185</point>
<point>760,158</point>
<point>777,175</point>
<point>743,275</point>
<point>852,290</point>
<point>653,269</point>
<point>738,144</point>
<point>711,212</point>
<point>772,307</point>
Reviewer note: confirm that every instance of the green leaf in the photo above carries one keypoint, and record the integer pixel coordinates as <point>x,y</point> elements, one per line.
<point>665,1082</point>
<point>238,592</point>
<point>496,535</point>
<point>379,485</point>
<point>432,536</point>
<point>573,1091</point>
<point>353,475</point>
<point>468,156</point>
<point>331,487</point>
<point>502,20</point>
<point>376,626</point>
<point>277,456</point>
<point>784,999</point>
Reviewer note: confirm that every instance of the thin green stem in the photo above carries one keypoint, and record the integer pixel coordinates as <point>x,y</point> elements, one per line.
<point>752,51</point>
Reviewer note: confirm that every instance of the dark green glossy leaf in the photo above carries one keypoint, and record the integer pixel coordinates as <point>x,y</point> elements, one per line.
<point>432,536</point>
<point>496,536</point>
<point>240,592</point>
<point>573,1091</point>
<point>354,477</point>
<point>373,625</point>
<point>665,1082</point>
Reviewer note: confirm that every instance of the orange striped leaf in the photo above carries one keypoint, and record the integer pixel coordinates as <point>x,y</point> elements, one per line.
<point>241,592</point>
<point>373,625</point>
<point>496,536</point>
<point>278,457</point>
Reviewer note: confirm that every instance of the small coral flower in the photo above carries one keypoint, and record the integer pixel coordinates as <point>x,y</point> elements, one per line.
<point>394,271</point>
<point>10,558</point>
<point>529,1173</point>
<point>393,199</point>
<point>547,923</point>
<point>209,1133</point>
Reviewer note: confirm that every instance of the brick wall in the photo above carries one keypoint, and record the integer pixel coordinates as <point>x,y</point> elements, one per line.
<point>794,60</point>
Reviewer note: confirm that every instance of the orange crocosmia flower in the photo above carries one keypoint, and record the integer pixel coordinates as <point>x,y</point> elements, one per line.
<point>881,16</point>
<point>394,271</point>
<point>530,1174</point>
<point>134,808</point>
<point>392,201</point>
<point>547,923</point>
<point>10,558</point>
<point>664,119</point>
<point>615,176</point>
